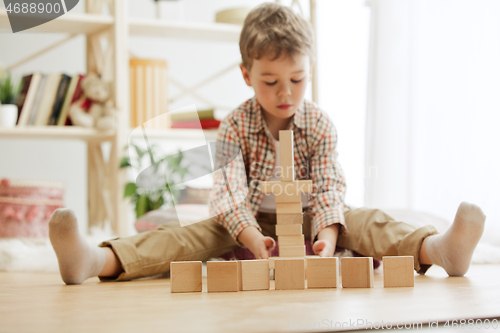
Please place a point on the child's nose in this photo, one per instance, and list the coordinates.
(284, 90)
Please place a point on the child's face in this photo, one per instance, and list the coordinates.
(279, 84)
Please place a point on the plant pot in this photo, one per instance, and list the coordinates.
(8, 115)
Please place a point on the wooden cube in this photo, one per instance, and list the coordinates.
(289, 219)
(286, 156)
(240, 287)
(288, 198)
(222, 276)
(254, 274)
(289, 274)
(322, 272)
(293, 240)
(273, 259)
(398, 271)
(185, 276)
(289, 208)
(278, 187)
(357, 272)
(292, 251)
(288, 230)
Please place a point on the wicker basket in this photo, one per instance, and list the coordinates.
(26, 206)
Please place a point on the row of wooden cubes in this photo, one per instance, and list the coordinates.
(290, 274)
(186, 276)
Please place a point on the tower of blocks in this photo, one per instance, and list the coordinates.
(287, 193)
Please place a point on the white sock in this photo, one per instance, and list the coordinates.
(77, 259)
(453, 250)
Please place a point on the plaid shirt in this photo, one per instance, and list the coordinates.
(315, 158)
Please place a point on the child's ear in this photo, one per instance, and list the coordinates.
(246, 75)
(311, 71)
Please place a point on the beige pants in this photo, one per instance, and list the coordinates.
(370, 232)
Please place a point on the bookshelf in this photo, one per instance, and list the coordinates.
(105, 180)
(219, 32)
(57, 132)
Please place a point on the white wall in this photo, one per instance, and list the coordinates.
(388, 115)
(343, 29)
(434, 107)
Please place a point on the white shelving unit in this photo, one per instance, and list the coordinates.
(70, 23)
(105, 188)
(220, 32)
(57, 132)
(105, 181)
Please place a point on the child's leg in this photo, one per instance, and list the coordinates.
(373, 233)
(145, 254)
(77, 259)
(112, 266)
(150, 253)
(453, 250)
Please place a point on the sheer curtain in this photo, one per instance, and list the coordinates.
(342, 33)
(433, 107)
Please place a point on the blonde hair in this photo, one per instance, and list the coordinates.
(272, 30)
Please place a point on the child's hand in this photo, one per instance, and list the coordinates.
(327, 240)
(256, 242)
(323, 248)
(262, 247)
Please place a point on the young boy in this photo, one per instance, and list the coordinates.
(277, 55)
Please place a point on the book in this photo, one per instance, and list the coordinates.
(190, 116)
(204, 124)
(76, 98)
(38, 99)
(47, 103)
(73, 94)
(26, 81)
(27, 96)
(59, 100)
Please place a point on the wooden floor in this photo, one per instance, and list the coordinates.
(42, 303)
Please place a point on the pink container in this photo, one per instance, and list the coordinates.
(26, 206)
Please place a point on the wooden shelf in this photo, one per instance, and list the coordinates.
(178, 134)
(89, 23)
(222, 32)
(57, 132)
(68, 23)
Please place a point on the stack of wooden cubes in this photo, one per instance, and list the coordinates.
(289, 272)
(287, 193)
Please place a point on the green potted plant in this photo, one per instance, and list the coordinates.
(8, 96)
(145, 199)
